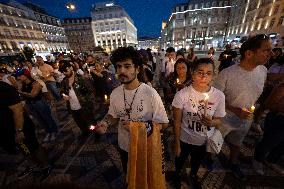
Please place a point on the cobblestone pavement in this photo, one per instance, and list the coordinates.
(95, 163)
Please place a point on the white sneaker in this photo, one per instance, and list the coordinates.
(53, 137)
(258, 167)
(46, 138)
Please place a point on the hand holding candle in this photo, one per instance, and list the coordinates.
(206, 103)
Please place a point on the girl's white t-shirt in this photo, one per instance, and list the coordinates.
(192, 103)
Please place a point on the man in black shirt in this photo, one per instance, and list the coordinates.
(226, 58)
(17, 131)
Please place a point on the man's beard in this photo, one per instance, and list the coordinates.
(127, 82)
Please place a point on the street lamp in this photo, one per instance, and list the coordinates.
(70, 6)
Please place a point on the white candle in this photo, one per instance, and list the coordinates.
(206, 103)
(89, 70)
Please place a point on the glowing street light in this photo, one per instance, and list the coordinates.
(70, 6)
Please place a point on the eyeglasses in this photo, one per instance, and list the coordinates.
(202, 74)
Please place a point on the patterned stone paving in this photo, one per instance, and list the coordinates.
(98, 165)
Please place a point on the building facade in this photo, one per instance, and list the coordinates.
(51, 27)
(148, 42)
(112, 26)
(250, 17)
(19, 28)
(79, 33)
(199, 23)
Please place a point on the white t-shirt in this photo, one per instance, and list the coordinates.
(147, 105)
(73, 100)
(241, 87)
(167, 66)
(191, 102)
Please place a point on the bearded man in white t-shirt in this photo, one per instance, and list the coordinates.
(242, 85)
(131, 101)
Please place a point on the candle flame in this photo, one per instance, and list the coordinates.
(109, 79)
(206, 96)
(252, 108)
(177, 80)
(92, 127)
(105, 97)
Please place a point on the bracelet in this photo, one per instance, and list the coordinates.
(20, 130)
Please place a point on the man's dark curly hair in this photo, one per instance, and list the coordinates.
(124, 53)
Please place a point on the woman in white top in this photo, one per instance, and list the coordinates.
(196, 117)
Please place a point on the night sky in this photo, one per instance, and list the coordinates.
(146, 14)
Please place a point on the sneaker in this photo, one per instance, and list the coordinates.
(195, 182)
(53, 137)
(237, 172)
(258, 167)
(26, 172)
(45, 172)
(275, 167)
(46, 138)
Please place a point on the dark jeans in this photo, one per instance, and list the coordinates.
(52, 87)
(271, 147)
(197, 154)
(81, 121)
(42, 113)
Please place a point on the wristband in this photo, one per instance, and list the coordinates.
(19, 130)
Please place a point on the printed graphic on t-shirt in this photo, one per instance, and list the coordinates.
(193, 118)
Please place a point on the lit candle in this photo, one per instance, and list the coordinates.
(92, 127)
(252, 108)
(177, 81)
(206, 103)
(105, 98)
(65, 95)
(89, 70)
(109, 78)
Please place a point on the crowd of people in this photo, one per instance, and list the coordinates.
(201, 95)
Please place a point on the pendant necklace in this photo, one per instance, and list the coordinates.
(128, 110)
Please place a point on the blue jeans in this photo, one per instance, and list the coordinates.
(51, 85)
(42, 113)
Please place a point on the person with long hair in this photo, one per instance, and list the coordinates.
(180, 78)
